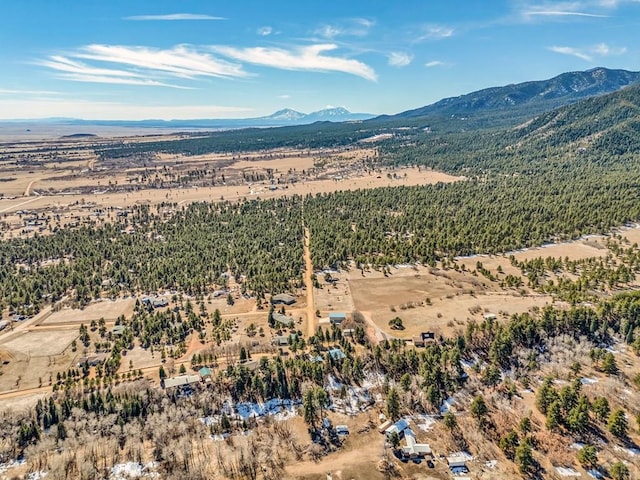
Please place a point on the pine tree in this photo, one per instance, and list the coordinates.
(393, 404)
(617, 423)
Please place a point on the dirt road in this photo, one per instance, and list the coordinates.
(312, 321)
(27, 191)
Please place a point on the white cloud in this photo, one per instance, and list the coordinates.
(564, 10)
(265, 31)
(174, 16)
(561, 13)
(399, 59)
(135, 65)
(180, 61)
(10, 91)
(434, 63)
(284, 97)
(573, 52)
(435, 32)
(605, 50)
(356, 27)
(329, 31)
(588, 54)
(43, 108)
(309, 58)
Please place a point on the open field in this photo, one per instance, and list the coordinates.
(40, 344)
(107, 309)
(434, 300)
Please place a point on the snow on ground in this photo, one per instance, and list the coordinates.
(576, 446)
(278, 408)
(491, 464)
(356, 400)
(588, 381)
(466, 455)
(125, 471)
(372, 380)
(633, 452)
(423, 422)
(595, 474)
(447, 404)
(37, 475)
(4, 467)
(568, 472)
(281, 409)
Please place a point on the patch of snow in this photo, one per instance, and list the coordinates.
(124, 471)
(576, 446)
(595, 474)
(333, 383)
(467, 364)
(372, 380)
(279, 408)
(588, 381)
(424, 422)
(4, 467)
(37, 475)
(633, 452)
(568, 472)
(466, 455)
(491, 464)
(611, 350)
(447, 404)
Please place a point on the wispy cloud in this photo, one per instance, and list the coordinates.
(355, 27)
(284, 97)
(605, 50)
(434, 63)
(10, 91)
(265, 31)
(399, 59)
(174, 16)
(309, 58)
(180, 61)
(434, 32)
(533, 11)
(575, 52)
(561, 13)
(134, 65)
(590, 53)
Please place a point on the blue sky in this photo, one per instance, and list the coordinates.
(137, 59)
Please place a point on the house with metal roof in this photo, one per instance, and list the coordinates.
(283, 320)
(399, 427)
(283, 299)
(337, 354)
(413, 449)
(180, 381)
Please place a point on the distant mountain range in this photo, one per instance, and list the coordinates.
(491, 107)
(529, 98)
(281, 118)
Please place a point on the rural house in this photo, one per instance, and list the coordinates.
(180, 381)
(413, 449)
(283, 299)
(283, 320)
(336, 318)
(399, 427)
